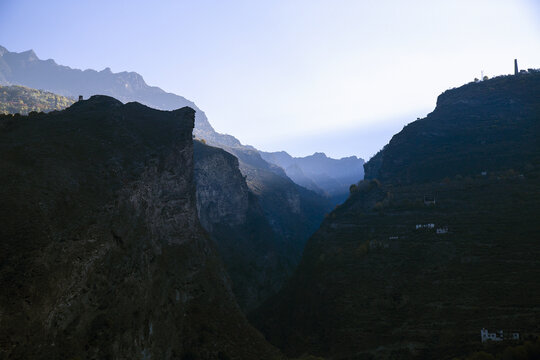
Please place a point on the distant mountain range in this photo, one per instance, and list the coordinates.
(27, 69)
(317, 172)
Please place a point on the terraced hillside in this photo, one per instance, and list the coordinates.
(414, 266)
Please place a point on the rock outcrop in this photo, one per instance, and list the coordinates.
(101, 252)
(293, 212)
(27, 69)
(256, 258)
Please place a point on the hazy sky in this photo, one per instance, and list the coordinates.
(309, 75)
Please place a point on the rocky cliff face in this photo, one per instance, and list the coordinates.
(415, 266)
(292, 212)
(256, 258)
(102, 254)
(222, 193)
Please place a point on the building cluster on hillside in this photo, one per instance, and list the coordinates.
(439, 230)
(443, 230)
(500, 335)
(425, 226)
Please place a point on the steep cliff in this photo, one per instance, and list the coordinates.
(256, 258)
(293, 211)
(283, 201)
(102, 254)
(416, 265)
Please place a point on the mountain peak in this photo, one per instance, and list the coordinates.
(3, 50)
(319, 155)
(30, 55)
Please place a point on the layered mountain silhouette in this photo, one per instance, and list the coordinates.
(441, 242)
(292, 212)
(317, 172)
(257, 258)
(102, 253)
(27, 69)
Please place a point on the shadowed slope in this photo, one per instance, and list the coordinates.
(389, 276)
(102, 254)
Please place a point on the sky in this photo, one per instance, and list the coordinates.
(333, 76)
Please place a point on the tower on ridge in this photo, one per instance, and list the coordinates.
(516, 71)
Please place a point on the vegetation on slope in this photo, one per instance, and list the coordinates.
(391, 275)
(488, 126)
(20, 99)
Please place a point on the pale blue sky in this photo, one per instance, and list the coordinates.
(297, 75)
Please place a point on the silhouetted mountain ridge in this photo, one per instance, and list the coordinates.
(486, 126)
(102, 253)
(27, 69)
(414, 264)
(280, 217)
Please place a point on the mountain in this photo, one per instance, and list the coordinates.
(292, 212)
(485, 126)
(261, 237)
(20, 99)
(442, 244)
(102, 254)
(27, 69)
(257, 259)
(317, 172)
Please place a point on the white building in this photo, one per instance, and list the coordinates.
(442, 230)
(485, 335)
(494, 336)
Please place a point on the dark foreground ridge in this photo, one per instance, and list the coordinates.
(101, 253)
(416, 265)
(293, 212)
